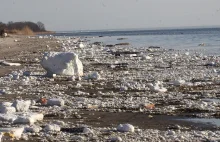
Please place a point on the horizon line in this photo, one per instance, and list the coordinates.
(140, 29)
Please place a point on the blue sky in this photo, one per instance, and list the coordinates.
(63, 15)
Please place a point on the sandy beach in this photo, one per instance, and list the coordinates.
(154, 90)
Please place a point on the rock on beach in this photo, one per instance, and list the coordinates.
(125, 128)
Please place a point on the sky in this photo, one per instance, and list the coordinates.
(69, 15)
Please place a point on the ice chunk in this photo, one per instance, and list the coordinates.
(94, 75)
(16, 132)
(29, 118)
(33, 129)
(8, 117)
(7, 109)
(87, 131)
(21, 105)
(52, 127)
(55, 102)
(125, 128)
(62, 63)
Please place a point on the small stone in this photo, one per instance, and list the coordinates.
(87, 131)
(170, 132)
(52, 127)
(58, 122)
(27, 73)
(125, 128)
(71, 78)
(116, 139)
(33, 129)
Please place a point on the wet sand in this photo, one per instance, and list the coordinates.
(23, 47)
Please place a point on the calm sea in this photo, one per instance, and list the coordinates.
(170, 39)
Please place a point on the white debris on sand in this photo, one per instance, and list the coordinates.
(87, 131)
(7, 109)
(178, 82)
(5, 63)
(55, 102)
(93, 76)
(21, 105)
(81, 45)
(62, 63)
(33, 129)
(52, 127)
(125, 128)
(157, 87)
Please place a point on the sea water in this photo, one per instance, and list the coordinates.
(180, 39)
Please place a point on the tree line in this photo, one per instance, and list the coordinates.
(35, 27)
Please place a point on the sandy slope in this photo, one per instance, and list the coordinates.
(12, 50)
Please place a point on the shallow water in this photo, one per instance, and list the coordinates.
(212, 121)
(169, 39)
(188, 42)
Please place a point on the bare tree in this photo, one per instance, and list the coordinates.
(35, 27)
(41, 26)
(2, 25)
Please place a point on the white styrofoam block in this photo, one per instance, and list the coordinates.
(62, 63)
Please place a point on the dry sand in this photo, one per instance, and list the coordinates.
(15, 46)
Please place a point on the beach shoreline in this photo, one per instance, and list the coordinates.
(88, 102)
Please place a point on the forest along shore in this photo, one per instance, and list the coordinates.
(125, 93)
